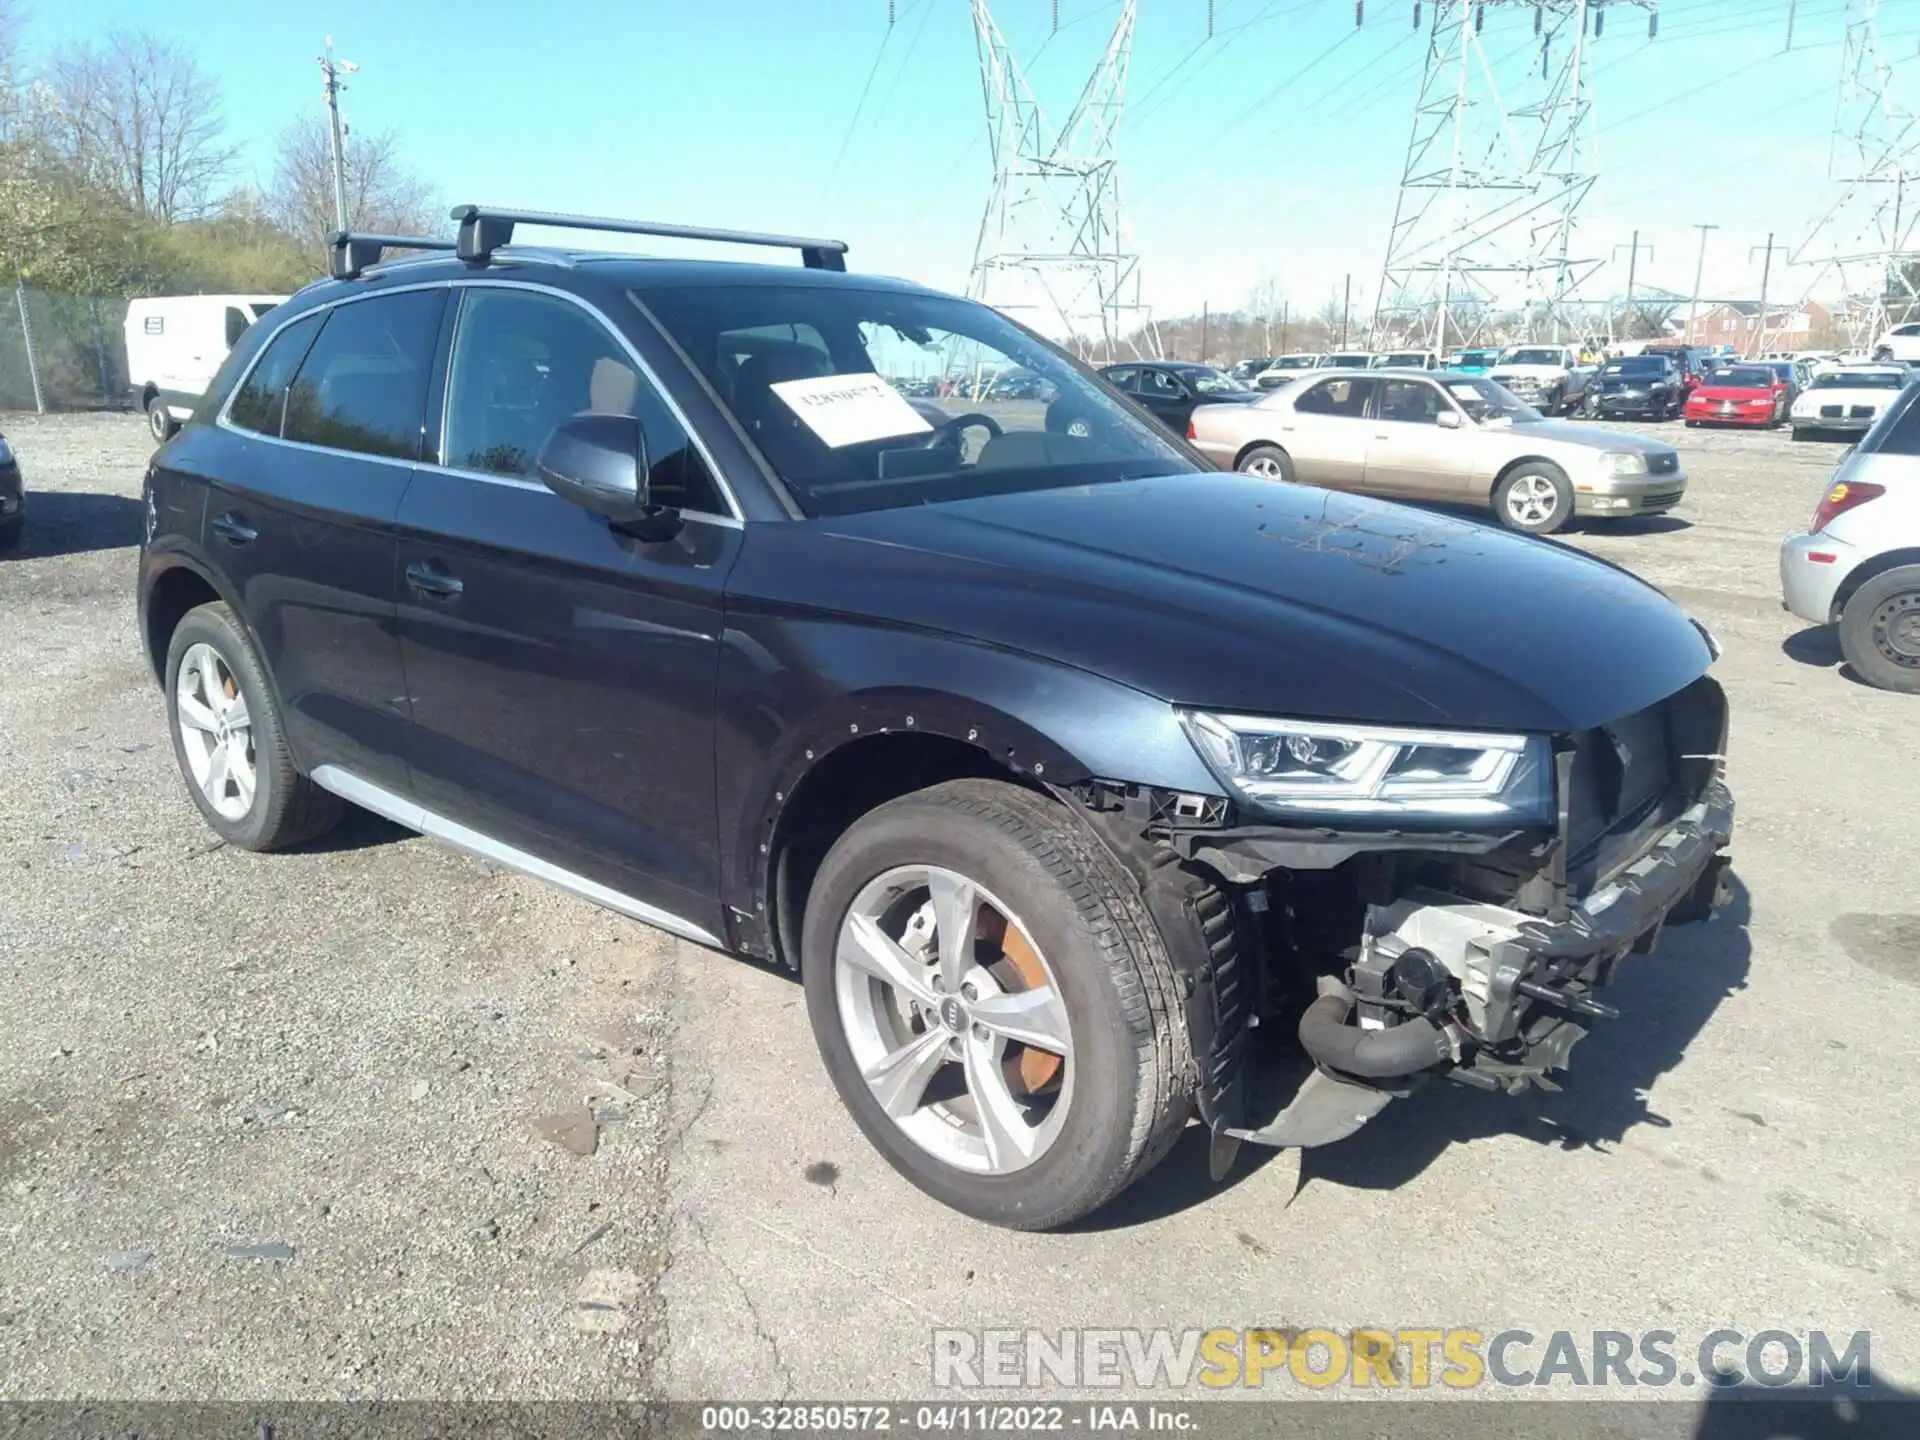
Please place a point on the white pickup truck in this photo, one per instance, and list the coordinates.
(1548, 377)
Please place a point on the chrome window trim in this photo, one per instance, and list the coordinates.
(414, 816)
(223, 420)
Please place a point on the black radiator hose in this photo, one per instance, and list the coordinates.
(1404, 1049)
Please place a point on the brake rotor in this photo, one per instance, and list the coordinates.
(1020, 962)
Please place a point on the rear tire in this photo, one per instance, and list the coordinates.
(282, 807)
(160, 424)
(1880, 630)
(1269, 462)
(1127, 1076)
(1535, 499)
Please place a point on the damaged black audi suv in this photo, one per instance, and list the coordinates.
(743, 600)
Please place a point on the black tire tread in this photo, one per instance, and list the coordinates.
(1128, 943)
(1857, 645)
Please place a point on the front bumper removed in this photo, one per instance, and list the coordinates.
(1507, 994)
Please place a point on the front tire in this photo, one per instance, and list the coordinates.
(1880, 630)
(229, 741)
(1030, 1062)
(1535, 499)
(160, 424)
(1269, 462)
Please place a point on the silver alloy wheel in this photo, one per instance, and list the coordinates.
(1266, 467)
(947, 1043)
(1531, 499)
(159, 422)
(216, 732)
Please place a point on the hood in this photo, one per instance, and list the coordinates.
(1588, 438)
(1239, 594)
(1635, 382)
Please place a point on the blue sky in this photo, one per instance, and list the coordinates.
(1272, 151)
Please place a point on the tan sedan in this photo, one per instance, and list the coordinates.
(1441, 435)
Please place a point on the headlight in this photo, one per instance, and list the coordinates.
(1623, 462)
(1314, 767)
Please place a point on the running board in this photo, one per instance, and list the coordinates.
(415, 816)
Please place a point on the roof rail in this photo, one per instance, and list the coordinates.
(349, 254)
(484, 229)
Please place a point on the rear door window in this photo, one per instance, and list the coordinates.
(260, 401)
(363, 385)
(1346, 397)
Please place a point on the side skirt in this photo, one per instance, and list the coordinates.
(414, 816)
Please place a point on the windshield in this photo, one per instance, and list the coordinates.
(1642, 367)
(1475, 357)
(1742, 377)
(1414, 359)
(1295, 362)
(1351, 361)
(1485, 401)
(1535, 357)
(1858, 380)
(800, 367)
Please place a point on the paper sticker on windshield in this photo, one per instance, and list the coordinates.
(1465, 392)
(848, 409)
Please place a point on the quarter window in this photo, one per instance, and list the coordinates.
(523, 362)
(258, 404)
(363, 385)
(1898, 432)
(1346, 397)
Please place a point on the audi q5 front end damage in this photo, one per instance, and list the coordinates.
(1412, 904)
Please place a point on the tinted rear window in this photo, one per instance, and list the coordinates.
(258, 404)
(1897, 432)
(363, 385)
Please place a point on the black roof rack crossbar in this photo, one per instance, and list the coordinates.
(349, 254)
(484, 229)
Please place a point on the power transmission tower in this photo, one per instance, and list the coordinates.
(337, 132)
(1052, 249)
(1866, 243)
(1495, 174)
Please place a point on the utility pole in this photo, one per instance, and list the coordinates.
(1699, 269)
(1346, 311)
(26, 336)
(1766, 274)
(332, 69)
(1633, 269)
(1283, 327)
(1206, 321)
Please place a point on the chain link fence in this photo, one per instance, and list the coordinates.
(60, 351)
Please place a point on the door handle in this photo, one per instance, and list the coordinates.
(235, 531)
(432, 579)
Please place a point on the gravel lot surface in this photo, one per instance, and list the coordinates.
(304, 1126)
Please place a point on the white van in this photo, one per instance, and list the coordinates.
(175, 343)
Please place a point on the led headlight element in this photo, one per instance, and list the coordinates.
(1318, 767)
(1623, 462)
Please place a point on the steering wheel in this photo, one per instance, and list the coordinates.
(951, 431)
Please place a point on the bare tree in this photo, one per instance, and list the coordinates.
(382, 194)
(135, 115)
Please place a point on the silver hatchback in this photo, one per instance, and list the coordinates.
(1441, 435)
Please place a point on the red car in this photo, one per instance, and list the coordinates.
(1742, 395)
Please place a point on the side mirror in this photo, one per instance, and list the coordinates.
(599, 462)
(1449, 419)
